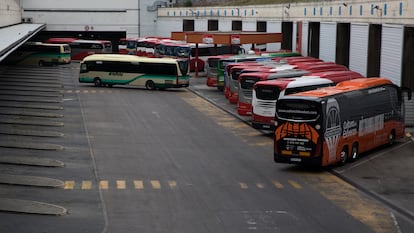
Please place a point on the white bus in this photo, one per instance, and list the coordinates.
(119, 69)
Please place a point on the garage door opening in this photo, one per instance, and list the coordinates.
(314, 36)
(374, 50)
(343, 32)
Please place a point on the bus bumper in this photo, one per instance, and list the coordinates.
(244, 109)
(314, 161)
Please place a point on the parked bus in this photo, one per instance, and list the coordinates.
(82, 48)
(335, 124)
(212, 63)
(38, 53)
(151, 73)
(263, 67)
(247, 81)
(122, 46)
(266, 93)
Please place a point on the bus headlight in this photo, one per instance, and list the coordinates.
(275, 123)
(318, 127)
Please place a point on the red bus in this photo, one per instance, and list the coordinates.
(325, 127)
(82, 48)
(250, 67)
(122, 46)
(266, 93)
(247, 81)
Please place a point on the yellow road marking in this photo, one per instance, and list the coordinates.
(86, 184)
(69, 91)
(120, 184)
(260, 185)
(103, 184)
(85, 91)
(70, 184)
(243, 186)
(155, 184)
(172, 184)
(93, 91)
(277, 184)
(78, 91)
(138, 184)
(101, 91)
(295, 184)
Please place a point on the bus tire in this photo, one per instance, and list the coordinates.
(391, 138)
(41, 63)
(354, 152)
(97, 82)
(344, 156)
(150, 85)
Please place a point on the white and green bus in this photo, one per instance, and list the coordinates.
(38, 53)
(121, 69)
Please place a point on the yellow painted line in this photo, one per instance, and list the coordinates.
(261, 143)
(85, 91)
(101, 91)
(355, 203)
(155, 184)
(110, 92)
(78, 91)
(295, 184)
(70, 184)
(103, 184)
(172, 184)
(69, 91)
(120, 184)
(260, 185)
(93, 91)
(277, 184)
(138, 184)
(243, 185)
(86, 184)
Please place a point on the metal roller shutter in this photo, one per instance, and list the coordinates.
(358, 52)
(391, 52)
(305, 35)
(327, 42)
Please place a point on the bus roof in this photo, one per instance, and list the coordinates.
(294, 82)
(277, 74)
(346, 86)
(127, 58)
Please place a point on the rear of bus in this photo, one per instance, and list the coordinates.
(247, 81)
(266, 94)
(299, 130)
(122, 46)
(212, 69)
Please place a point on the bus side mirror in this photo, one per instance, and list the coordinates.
(408, 91)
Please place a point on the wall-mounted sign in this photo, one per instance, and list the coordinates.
(235, 39)
(208, 39)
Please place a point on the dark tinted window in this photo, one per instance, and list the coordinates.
(297, 109)
(248, 82)
(294, 90)
(267, 92)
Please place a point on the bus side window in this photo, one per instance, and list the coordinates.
(84, 68)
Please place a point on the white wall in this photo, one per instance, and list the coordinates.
(131, 16)
(10, 13)
(274, 26)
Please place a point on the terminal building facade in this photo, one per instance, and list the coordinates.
(374, 38)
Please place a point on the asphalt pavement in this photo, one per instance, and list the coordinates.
(386, 173)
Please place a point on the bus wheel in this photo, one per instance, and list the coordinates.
(97, 82)
(344, 156)
(150, 85)
(41, 63)
(354, 152)
(391, 138)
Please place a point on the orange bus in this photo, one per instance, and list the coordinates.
(334, 125)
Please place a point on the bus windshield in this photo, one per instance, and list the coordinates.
(267, 92)
(183, 64)
(299, 110)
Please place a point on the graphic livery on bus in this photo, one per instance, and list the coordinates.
(151, 73)
(38, 53)
(335, 124)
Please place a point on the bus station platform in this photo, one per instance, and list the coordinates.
(386, 173)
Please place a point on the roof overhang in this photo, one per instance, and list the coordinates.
(14, 36)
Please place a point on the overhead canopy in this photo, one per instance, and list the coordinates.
(14, 36)
(227, 37)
